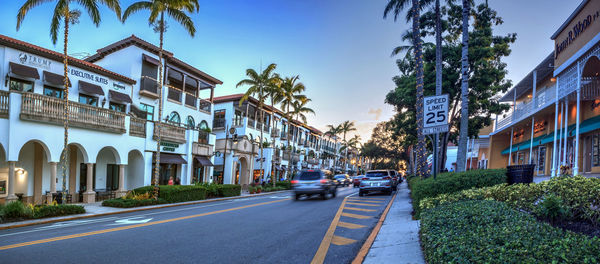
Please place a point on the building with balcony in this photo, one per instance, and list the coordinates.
(112, 121)
(554, 118)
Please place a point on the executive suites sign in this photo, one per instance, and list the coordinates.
(89, 76)
(582, 28)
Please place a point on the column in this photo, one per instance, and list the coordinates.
(565, 129)
(53, 166)
(531, 140)
(576, 160)
(11, 182)
(121, 191)
(510, 148)
(89, 196)
(554, 146)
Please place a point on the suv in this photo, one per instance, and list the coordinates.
(376, 180)
(342, 179)
(309, 182)
(396, 178)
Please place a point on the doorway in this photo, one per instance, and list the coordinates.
(587, 154)
(541, 160)
(83, 177)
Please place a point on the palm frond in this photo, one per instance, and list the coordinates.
(135, 7)
(28, 5)
(91, 7)
(183, 19)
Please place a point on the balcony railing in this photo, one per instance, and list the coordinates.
(543, 98)
(148, 87)
(37, 107)
(170, 133)
(137, 127)
(251, 122)
(4, 104)
(266, 128)
(203, 137)
(218, 123)
(283, 135)
(205, 106)
(259, 125)
(174, 94)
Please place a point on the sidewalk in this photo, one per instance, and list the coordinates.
(398, 239)
(96, 209)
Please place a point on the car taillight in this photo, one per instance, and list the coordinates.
(323, 181)
(387, 178)
(365, 179)
(294, 182)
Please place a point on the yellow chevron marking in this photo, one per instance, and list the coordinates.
(341, 241)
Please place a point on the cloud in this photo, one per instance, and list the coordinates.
(376, 112)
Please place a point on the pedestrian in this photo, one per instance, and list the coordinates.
(170, 181)
(177, 181)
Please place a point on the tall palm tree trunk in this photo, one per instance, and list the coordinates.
(421, 166)
(66, 104)
(464, 111)
(262, 139)
(271, 123)
(438, 74)
(160, 106)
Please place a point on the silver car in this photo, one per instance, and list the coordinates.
(376, 181)
(309, 182)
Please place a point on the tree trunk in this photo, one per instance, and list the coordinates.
(65, 152)
(464, 111)
(160, 106)
(271, 122)
(421, 159)
(438, 75)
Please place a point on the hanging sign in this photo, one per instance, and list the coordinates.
(435, 114)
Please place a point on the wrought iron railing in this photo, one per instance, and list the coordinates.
(205, 106)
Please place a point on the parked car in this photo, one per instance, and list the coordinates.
(310, 182)
(376, 180)
(342, 179)
(397, 179)
(356, 180)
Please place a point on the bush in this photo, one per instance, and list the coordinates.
(580, 197)
(552, 208)
(57, 210)
(453, 182)
(182, 193)
(128, 203)
(18, 210)
(229, 190)
(286, 185)
(212, 189)
(492, 232)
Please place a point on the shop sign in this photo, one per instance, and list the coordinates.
(519, 134)
(89, 76)
(595, 104)
(577, 30)
(539, 126)
(168, 146)
(36, 61)
(118, 86)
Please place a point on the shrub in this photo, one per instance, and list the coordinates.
(17, 209)
(128, 203)
(452, 182)
(181, 193)
(492, 232)
(286, 185)
(229, 190)
(57, 210)
(212, 189)
(552, 208)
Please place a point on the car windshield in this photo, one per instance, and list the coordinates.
(377, 174)
(309, 175)
(340, 176)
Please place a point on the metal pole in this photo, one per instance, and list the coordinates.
(555, 130)
(566, 129)
(510, 148)
(576, 154)
(531, 140)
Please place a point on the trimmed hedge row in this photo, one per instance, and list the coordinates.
(229, 190)
(17, 210)
(452, 182)
(578, 197)
(492, 232)
(128, 203)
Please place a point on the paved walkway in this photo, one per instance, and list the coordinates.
(398, 239)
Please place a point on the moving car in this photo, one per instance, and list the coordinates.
(356, 180)
(309, 182)
(342, 179)
(376, 181)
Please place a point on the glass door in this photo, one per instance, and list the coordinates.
(541, 160)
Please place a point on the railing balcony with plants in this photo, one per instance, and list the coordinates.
(543, 98)
(203, 146)
(37, 107)
(4, 104)
(137, 127)
(148, 87)
(170, 133)
(205, 106)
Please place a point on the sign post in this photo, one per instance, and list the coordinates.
(435, 121)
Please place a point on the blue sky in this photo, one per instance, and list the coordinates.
(340, 48)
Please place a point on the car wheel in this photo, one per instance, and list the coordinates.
(297, 197)
(334, 193)
(360, 193)
(389, 192)
(324, 196)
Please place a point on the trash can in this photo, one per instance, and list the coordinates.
(520, 173)
(57, 197)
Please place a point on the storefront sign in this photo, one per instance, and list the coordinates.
(168, 146)
(35, 61)
(539, 126)
(519, 134)
(595, 104)
(118, 86)
(89, 76)
(577, 30)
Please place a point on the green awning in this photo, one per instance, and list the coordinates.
(587, 125)
(525, 144)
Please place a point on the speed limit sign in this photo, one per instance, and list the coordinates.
(435, 114)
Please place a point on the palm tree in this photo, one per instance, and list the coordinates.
(291, 91)
(300, 109)
(176, 10)
(260, 87)
(63, 12)
(464, 90)
(274, 93)
(333, 131)
(346, 127)
(396, 6)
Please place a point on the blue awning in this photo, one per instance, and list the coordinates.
(587, 125)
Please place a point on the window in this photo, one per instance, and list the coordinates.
(219, 114)
(203, 125)
(21, 85)
(238, 117)
(117, 107)
(149, 111)
(190, 122)
(54, 92)
(174, 118)
(175, 79)
(149, 70)
(89, 100)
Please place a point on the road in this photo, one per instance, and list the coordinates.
(267, 229)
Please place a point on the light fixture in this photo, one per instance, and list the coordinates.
(553, 79)
(103, 101)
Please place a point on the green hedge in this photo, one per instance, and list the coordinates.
(578, 195)
(453, 182)
(181, 193)
(286, 185)
(492, 232)
(229, 190)
(17, 210)
(128, 203)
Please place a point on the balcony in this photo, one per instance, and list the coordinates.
(275, 133)
(41, 108)
(190, 100)
(266, 128)
(137, 127)
(295, 157)
(543, 99)
(205, 106)
(259, 126)
(170, 133)
(251, 122)
(313, 161)
(148, 87)
(283, 135)
(4, 104)
(174, 94)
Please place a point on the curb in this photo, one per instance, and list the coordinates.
(366, 247)
(137, 210)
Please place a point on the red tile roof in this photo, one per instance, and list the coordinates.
(37, 50)
(133, 40)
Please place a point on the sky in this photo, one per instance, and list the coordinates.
(339, 48)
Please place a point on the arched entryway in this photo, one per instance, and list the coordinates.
(134, 171)
(32, 172)
(243, 172)
(105, 177)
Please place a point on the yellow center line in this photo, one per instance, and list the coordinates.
(41, 241)
(324, 247)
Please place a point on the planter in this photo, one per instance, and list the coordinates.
(520, 173)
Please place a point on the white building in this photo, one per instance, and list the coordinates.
(113, 109)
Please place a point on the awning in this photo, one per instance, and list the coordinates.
(587, 125)
(150, 60)
(204, 161)
(55, 79)
(170, 158)
(541, 140)
(89, 88)
(22, 70)
(119, 97)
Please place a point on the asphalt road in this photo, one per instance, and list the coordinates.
(267, 229)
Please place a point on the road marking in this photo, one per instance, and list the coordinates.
(373, 198)
(364, 204)
(341, 241)
(357, 216)
(360, 257)
(132, 221)
(359, 209)
(324, 247)
(41, 241)
(365, 201)
(350, 225)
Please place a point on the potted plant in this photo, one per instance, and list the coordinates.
(258, 189)
(251, 190)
